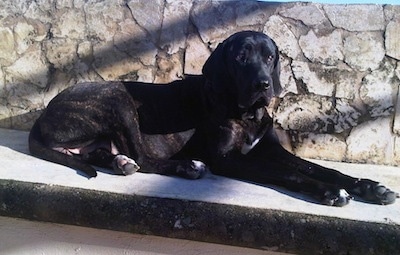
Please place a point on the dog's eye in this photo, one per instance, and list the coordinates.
(248, 47)
(242, 57)
(269, 58)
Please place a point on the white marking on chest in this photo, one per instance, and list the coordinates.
(248, 147)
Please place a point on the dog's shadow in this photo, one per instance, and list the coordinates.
(294, 194)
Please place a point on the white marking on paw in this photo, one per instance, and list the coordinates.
(198, 164)
(343, 193)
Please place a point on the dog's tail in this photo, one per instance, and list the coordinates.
(40, 150)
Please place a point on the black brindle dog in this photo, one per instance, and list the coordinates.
(113, 124)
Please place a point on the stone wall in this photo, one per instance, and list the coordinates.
(340, 63)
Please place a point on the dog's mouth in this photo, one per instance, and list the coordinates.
(254, 112)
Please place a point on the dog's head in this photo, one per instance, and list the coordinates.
(245, 67)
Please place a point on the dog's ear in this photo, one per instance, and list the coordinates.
(276, 73)
(215, 69)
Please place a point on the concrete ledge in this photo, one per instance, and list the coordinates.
(19, 237)
(213, 209)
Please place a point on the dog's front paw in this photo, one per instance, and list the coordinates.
(336, 198)
(124, 165)
(192, 169)
(375, 192)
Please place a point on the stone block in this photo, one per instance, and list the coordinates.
(213, 20)
(196, 55)
(7, 46)
(323, 49)
(396, 122)
(305, 113)
(392, 12)
(364, 51)
(287, 79)
(392, 39)
(148, 15)
(11, 8)
(111, 63)
(135, 42)
(250, 13)
(25, 35)
(321, 146)
(5, 120)
(378, 91)
(312, 113)
(312, 79)
(283, 36)
(65, 4)
(103, 18)
(310, 15)
(30, 68)
(169, 68)
(347, 82)
(61, 53)
(371, 142)
(396, 157)
(173, 33)
(347, 115)
(70, 23)
(40, 11)
(356, 17)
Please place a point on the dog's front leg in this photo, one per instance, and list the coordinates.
(366, 189)
(262, 171)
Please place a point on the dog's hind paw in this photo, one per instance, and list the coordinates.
(124, 165)
(338, 198)
(192, 169)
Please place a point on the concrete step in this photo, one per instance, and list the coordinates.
(214, 209)
(20, 237)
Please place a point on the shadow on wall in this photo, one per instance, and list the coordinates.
(129, 41)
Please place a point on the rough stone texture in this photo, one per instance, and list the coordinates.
(312, 113)
(364, 51)
(173, 35)
(372, 141)
(356, 17)
(148, 14)
(196, 55)
(322, 146)
(287, 79)
(313, 82)
(220, 19)
(310, 15)
(29, 68)
(339, 63)
(392, 39)
(325, 49)
(280, 31)
(396, 123)
(378, 89)
(7, 47)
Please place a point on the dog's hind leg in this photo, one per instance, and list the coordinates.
(102, 157)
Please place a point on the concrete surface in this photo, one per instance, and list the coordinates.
(27, 183)
(20, 237)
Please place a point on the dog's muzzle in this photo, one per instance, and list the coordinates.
(255, 112)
